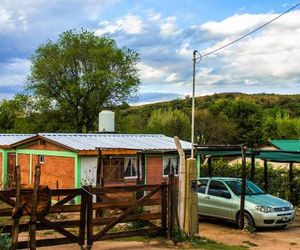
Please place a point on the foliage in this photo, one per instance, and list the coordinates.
(214, 129)
(5, 242)
(178, 235)
(169, 122)
(228, 118)
(81, 74)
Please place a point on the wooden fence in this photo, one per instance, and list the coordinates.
(119, 212)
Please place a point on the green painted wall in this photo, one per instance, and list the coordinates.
(4, 166)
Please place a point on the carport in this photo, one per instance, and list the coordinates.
(208, 153)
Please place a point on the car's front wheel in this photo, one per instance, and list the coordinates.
(248, 221)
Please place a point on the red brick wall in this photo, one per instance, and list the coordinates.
(59, 169)
(154, 169)
(24, 163)
(54, 169)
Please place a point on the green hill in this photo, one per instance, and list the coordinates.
(220, 118)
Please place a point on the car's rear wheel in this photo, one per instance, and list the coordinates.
(248, 221)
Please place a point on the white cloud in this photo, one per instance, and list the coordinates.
(130, 24)
(267, 59)
(168, 27)
(6, 21)
(149, 73)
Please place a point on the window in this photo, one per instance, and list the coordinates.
(217, 188)
(113, 169)
(202, 186)
(41, 159)
(130, 167)
(170, 165)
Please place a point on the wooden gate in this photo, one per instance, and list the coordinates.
(125, 211)
(119, 206)
(49, 222)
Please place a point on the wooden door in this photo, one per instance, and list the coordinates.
(11, 164)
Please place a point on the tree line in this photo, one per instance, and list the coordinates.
(228, 118)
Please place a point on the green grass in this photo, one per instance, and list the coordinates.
(203, 243)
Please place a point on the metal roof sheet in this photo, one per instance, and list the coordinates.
(288, 145)
(115, 141)
(7, 139)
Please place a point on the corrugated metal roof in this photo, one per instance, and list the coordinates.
(115, 141)
(287, 145)
(7, 139)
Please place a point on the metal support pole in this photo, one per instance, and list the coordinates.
(291, 184)
(266, 176)
(242, 202)
(193, 104)
(209, 166)
(252, 166)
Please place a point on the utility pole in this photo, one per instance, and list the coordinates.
(193, 104)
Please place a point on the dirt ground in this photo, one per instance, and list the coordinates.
(277, 239)
(220, 231)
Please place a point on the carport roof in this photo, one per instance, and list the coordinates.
(269, 155)
(288, 145)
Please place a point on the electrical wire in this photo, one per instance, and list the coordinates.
(249, 33)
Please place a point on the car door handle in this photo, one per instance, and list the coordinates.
(207, 197)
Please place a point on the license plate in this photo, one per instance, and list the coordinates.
(284, 218)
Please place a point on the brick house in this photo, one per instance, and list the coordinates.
(70, 160)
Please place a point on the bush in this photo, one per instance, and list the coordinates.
(5, 242)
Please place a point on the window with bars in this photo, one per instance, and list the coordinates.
(130, 167)
(170, 165)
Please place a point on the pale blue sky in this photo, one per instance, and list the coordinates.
(165, 33)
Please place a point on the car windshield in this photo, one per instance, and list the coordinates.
(251, 188)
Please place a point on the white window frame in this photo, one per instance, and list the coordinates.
(41, 157)
(136, 167)
(167, 158)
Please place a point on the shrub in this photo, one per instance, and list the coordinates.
(5, 242)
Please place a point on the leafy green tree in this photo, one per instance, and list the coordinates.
(79, 75)
(170, 123)
(246, 114)
(214, 129)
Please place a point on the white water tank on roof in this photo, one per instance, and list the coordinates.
(107, 121)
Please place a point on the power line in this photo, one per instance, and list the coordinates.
(249, 33)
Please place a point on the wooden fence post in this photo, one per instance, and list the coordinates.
(16, 220)
(83, 210)
(171, 205)
(89, 219)
(164, 206)
(34, 204)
